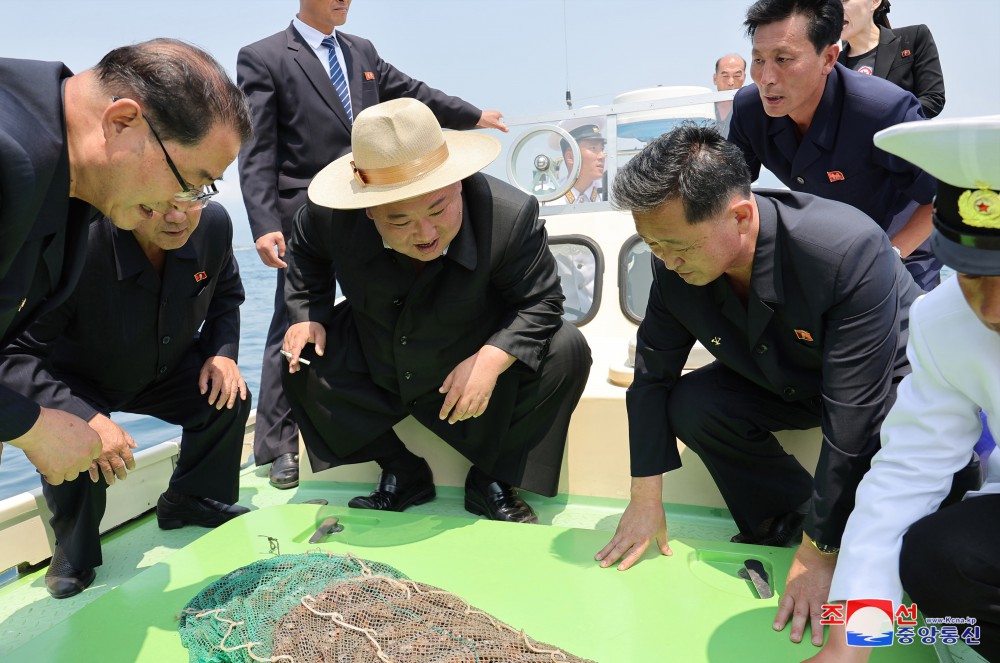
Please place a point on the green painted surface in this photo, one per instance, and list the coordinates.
(690, 607)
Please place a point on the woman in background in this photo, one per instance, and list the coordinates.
(906, 56)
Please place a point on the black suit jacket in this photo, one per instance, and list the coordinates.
(908, 57)
(837, 158)
(821, 268)
(124, 328)
(498, 285)
(300, 124)
(43, 232)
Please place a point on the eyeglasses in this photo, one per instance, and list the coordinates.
(197, 198)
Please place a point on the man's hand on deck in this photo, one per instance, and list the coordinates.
(222, 374)
(271, 249)
(642, 521)
(60, 445)
(116, 460)
(806, 590)
(836, 650)
(296, 338)
(469, 386)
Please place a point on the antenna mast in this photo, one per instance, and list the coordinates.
(569, 96)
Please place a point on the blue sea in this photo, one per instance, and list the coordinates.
(18, 475)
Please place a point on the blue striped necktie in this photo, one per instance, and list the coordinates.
(337, 78)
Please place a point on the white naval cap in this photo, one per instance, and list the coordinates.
(964, 155)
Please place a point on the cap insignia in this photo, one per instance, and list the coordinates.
(980, 208)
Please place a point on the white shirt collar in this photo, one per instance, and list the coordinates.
(312, 36)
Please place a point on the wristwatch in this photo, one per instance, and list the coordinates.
(823, 548)
(898, 252)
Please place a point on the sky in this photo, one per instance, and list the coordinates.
(515, 56)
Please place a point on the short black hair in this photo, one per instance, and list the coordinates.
(826, 18)
(693, 163)
(182, 88)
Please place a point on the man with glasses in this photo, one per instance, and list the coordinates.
(73, 143)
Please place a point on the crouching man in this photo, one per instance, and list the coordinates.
(452, 314)
(804, 305)
(128, 340)
(902, 534)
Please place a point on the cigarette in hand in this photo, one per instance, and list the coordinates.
(288, 355)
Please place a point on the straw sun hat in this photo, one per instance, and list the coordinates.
(399, 152)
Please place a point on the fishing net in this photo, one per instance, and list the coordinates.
(323, 608)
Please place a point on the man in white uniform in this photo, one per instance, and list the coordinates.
(897, 539)
(589, 184)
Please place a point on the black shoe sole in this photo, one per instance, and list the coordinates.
(423, 497)
(169, 523)
(284, 485)
(475, 508)
(478, 509)
(177, 523)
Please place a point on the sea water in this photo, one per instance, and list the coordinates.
(18, 475)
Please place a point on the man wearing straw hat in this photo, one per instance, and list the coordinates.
(452, 314)
(897, 538)
(305, 84)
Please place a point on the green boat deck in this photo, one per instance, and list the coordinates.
(690, 607)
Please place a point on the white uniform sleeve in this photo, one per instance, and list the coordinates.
(927, 437)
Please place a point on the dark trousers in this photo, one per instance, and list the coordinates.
(520, 442)
(275, 432)
(950, 566)
(728, 421)
(208, 465)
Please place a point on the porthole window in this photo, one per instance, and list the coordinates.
(581, 272)
(635, 276)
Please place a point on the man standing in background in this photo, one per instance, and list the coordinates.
(305, 85)
(730, 72)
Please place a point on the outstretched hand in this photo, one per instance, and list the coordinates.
(836, 649)
(806, 590)
(492, 119)
(642, 522)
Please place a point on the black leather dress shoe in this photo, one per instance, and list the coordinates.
(397, 491)
(284, 473)
(781, 531)
(174, 511)
(496, 500)
(64, 581)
